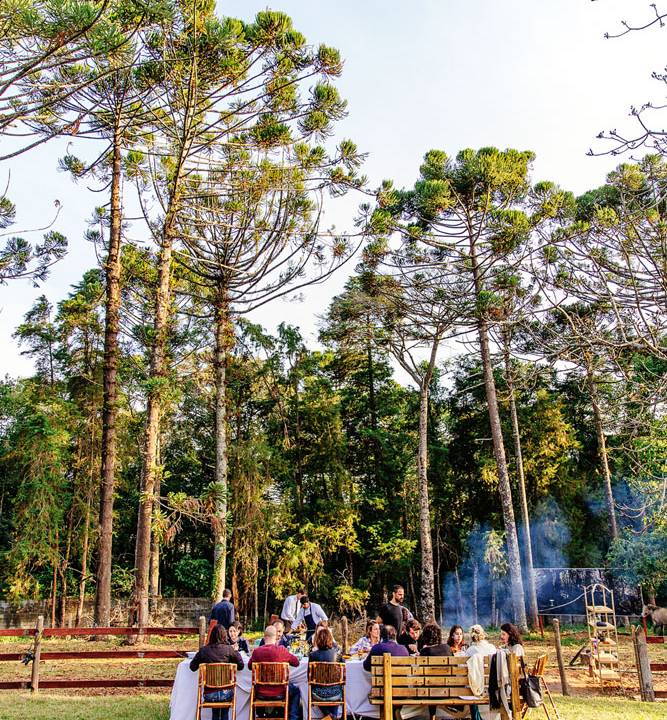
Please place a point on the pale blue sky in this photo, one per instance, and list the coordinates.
(530, 74)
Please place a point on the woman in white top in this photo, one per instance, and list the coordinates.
(365, 643)
(479, 644)
(511, 640)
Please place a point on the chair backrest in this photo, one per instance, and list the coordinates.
(217, 675)
(326, 673)
(270, 673)
(540, 664)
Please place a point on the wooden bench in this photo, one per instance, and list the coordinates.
(432, 681)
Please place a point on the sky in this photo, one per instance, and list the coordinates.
(450, 74)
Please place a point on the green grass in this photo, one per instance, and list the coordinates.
(19, 706)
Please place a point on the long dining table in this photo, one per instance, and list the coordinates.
(183, 703)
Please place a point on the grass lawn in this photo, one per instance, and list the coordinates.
(19, 706)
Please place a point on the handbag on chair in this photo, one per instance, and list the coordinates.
(530, 689)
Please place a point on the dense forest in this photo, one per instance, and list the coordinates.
(488, 392)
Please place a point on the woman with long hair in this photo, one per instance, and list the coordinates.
(456, 640)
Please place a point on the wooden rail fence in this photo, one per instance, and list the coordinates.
(646, 668)
(36, 656)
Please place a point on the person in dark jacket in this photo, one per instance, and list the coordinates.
(432, 645)
(388, 644)
(223, 612)
(411, 635)
(218, 650)
(326, 650)
(234, 633)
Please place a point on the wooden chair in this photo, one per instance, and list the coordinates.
(216, 676)
(326, 674)
(538, 671)
(269, 674)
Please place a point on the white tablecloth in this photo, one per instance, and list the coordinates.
(183, 703)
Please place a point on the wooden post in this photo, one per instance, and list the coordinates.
(515, 700)
(559, 657)
(344, 632)
(388, 706)
(541, 623)
(202, 630)
(644, 668)
(34, 678)
(633, 633)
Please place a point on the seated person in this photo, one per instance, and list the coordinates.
(387, 644)
(432, 645)
(270, 651)
(218, 650)
(511, 639)
(409, 638)
(281, 638)
(234, 632)
(365, 643)
(324, 650)
(456, 640)
(479, 644)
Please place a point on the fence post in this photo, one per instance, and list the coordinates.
(344, 633)
(387, 707)
(515, 700)
(559, 657)
(34, 677)
(202, 630)
(644, 668)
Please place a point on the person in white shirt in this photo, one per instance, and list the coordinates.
(479, 644)
(290, 608)
(309, 614)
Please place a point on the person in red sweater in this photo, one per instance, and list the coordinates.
(271, 652)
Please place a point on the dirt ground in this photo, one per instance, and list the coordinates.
(581, 684)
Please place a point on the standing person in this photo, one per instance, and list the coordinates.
(217, 650)
(291, 608)
(223, 612)
(387, 644)
(310, 614)
(393, 613)
(270, 652)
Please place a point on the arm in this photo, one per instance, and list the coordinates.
(367, 661)
(196, 661)
(238, 660)
(299, 617)
(322, 615)
(286, 612)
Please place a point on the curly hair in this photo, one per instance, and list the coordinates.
(432, 634)
(477, 633)
(513, 632)
(452, 630)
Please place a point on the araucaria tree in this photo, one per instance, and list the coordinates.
(474, 211)
(238, 170)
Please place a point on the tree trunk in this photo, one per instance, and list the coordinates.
(427, 579)
(224, 341)
(475, 583)
(84, 565)
(110, 393)
(154, 577)
(602, 450)
(513, 556)
(528, 549)
(54, 594)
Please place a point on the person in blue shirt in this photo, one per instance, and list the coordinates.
(223, 612)
(387, 644)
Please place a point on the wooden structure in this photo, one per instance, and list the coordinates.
(216, 676)
(432, 681)
(269, 674)
(326, 674)
(646, 668)
(36, 655)
(538, 672)
(602, 634)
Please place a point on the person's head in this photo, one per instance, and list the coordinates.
(300, 592)
(398, 593)
(305, 602)
(233, 633)
(323, 639)
(270, 635)
(477, 633)
(509, 634)
(279, 625)
(218, 635)
(226, 594)
(373, 631)
(413, 628)
(455, 638)
(388, 632)
(432, 634)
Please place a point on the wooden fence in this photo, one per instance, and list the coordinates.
(646, 668)
(36, 656)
